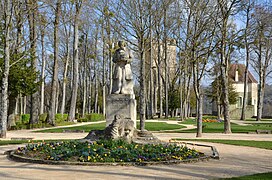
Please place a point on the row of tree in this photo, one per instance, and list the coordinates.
(56, 56)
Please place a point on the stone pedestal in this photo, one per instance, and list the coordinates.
(122, 104)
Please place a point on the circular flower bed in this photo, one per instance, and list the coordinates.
(107, 151)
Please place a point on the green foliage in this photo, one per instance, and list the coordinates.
(22, 77)
(25, 118)
(82, 120)
(42, 117)
(93, 117)
(23, 123)
(260, 176)
(85, 128)
(61, 118)
(174, 100)
(216, 90)
(107, 151)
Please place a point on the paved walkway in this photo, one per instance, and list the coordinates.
(235, 161)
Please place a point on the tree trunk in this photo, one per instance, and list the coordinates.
(142, 85)
(75, 64)
(159, 78)
(85, 76)
(64, 82)
(32, 14)
(4, 93)
(52, 107)
(260, 95)
(199, 115)
(245, 95)
(96, 75)
(43, 72)
(151, 81)
(166, 68)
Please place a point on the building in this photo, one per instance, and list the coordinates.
(236, 76)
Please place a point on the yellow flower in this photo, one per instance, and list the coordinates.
(89, 158)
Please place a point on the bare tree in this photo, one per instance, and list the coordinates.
(262, 46)
(226, 9)
(52, 109)
(78, 4)
(5, 71)
(32, 12)
(248, 5)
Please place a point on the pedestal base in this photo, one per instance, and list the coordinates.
(122, 104)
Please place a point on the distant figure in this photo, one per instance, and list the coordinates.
(122, 77)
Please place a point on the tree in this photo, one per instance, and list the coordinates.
(52, 109)
(248, 6)
(262, 46)
(78, 4)
(135, 25)
(226, 9)
(5, 70)
(203, 24)
(32, 12)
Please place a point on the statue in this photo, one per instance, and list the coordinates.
(120, 128)
(122, 76)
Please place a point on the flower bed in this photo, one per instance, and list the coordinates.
(107, 151)
(212, 120)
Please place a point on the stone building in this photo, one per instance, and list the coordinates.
(236, 75)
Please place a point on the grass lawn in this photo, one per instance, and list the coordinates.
(86, 128)
(151, 126)
(218, 127)
(9, 142)
(160, 126)
(260, 176)
(254, 119)
(258, 144)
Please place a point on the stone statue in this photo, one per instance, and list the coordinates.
(120, 128)
(122, 76)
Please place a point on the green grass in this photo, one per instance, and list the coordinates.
(259, 176)
(10, 142)
(214, 127)
(160, 126)
(86, 128)
(189, 121)
(254, 119)
(169, 119)
(258, 144)
(151, 126)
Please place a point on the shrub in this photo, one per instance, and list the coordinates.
(95, 117)
(25, 118)
(82, 120)
(77, 115)
(42, 117)
(60, 118)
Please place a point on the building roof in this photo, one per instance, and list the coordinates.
(241, 73)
